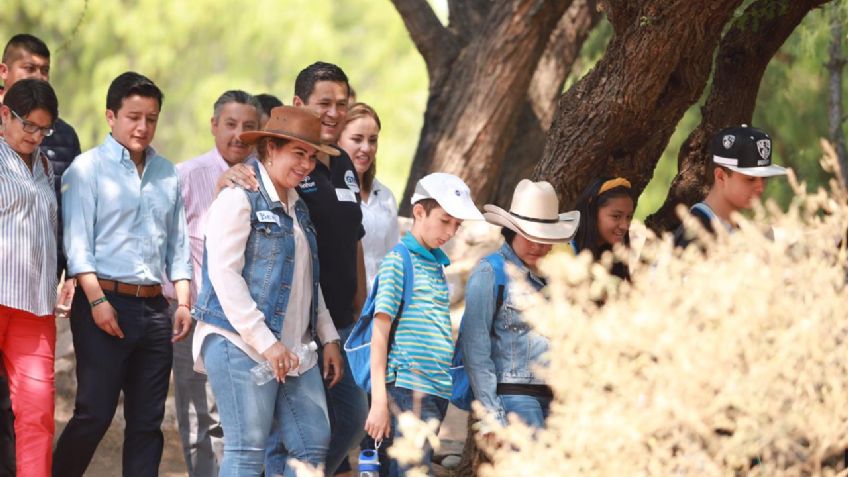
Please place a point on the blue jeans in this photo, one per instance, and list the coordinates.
(531, 409)
(348, 407)
(426, 407)
(267, 424)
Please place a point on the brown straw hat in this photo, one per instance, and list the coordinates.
(297, 124)
(534, 213)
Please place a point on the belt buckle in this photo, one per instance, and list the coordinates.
(137, 291)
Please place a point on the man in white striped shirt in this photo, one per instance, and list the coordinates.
(200, 429)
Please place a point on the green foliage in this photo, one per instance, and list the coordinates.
(195, 50)
(791, 106)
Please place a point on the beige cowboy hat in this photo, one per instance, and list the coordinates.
(289, 122)
(534, 213)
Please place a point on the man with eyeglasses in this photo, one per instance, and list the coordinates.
(26, 56)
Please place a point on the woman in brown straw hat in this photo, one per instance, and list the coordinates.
(501, 353)
(260, 308)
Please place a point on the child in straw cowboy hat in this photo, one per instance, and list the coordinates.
(501, 352)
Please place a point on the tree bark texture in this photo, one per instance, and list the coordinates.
(618, 119)
(476, 88)
(538, 110)
(836, 116)
(743, 55)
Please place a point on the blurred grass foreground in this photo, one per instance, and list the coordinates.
(724, 363)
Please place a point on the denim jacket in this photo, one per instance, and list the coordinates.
(268, 264)
(499, 347)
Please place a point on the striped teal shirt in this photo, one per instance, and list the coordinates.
(421, 354)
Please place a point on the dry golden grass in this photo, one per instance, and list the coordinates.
(732, 362)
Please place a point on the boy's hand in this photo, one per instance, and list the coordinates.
(333, 363)
(379, 424)
(182, 324)
(64, 299)
(106, 318)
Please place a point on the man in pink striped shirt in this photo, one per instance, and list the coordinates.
(200, 430)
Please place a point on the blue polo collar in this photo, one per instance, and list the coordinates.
(435, 255)
(119, 153)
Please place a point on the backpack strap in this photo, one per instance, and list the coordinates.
(408, 285)
(496, 260)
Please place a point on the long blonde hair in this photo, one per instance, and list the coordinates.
(358, 111)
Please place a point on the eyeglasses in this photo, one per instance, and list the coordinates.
(31, 127)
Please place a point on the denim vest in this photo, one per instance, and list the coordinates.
(509, 342)
(268, 264)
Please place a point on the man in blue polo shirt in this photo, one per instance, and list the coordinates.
(125, 228)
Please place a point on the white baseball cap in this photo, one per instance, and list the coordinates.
(450, 192)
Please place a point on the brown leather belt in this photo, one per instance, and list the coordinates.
(141, 291)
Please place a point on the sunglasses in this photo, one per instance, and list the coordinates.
(30, 127)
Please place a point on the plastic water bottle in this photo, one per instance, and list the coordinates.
(263, 373)
(369, 463)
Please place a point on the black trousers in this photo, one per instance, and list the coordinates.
(139, 365)
(7, 429)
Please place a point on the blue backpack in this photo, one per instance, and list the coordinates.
(461, 393)
(358, 344)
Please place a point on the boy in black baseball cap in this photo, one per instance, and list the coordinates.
(741, 163)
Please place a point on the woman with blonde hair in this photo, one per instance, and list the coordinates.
(379, 208)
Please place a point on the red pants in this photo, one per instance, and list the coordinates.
(28, 344)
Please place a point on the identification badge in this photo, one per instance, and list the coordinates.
(345, 195)
(267, 217)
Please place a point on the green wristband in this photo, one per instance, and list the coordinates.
(98, 301)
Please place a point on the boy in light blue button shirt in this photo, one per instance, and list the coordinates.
(412, 370)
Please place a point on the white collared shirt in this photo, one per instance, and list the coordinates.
(379, 218)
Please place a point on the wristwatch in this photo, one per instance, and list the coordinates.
(338, 342)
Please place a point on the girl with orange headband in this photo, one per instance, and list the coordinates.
(606, 210)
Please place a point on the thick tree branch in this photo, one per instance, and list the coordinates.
(743, 55)
(620, 116)
(436, 43)
(471, 115)
(466, 16)
(537, 113)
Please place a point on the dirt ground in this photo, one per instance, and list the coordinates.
(107, 459)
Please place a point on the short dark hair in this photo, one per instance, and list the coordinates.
(711, 168)
(428, 204)
(28, 95)
(262, 145)
(304, 85)
(268, 102)
(235, 96)
(508, 235)
(131, 84)
(24, 42)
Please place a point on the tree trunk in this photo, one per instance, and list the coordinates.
(743, 55)
(618, 119)
(476, 88)
(835, 115)
(537, 112)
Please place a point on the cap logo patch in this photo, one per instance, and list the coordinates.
(764, 148)
(728, 140)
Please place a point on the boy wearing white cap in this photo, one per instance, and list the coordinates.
(414, 369)
(741, 163)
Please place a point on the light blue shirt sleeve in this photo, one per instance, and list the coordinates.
(476, 339)
(178, 255)
(78, 211)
